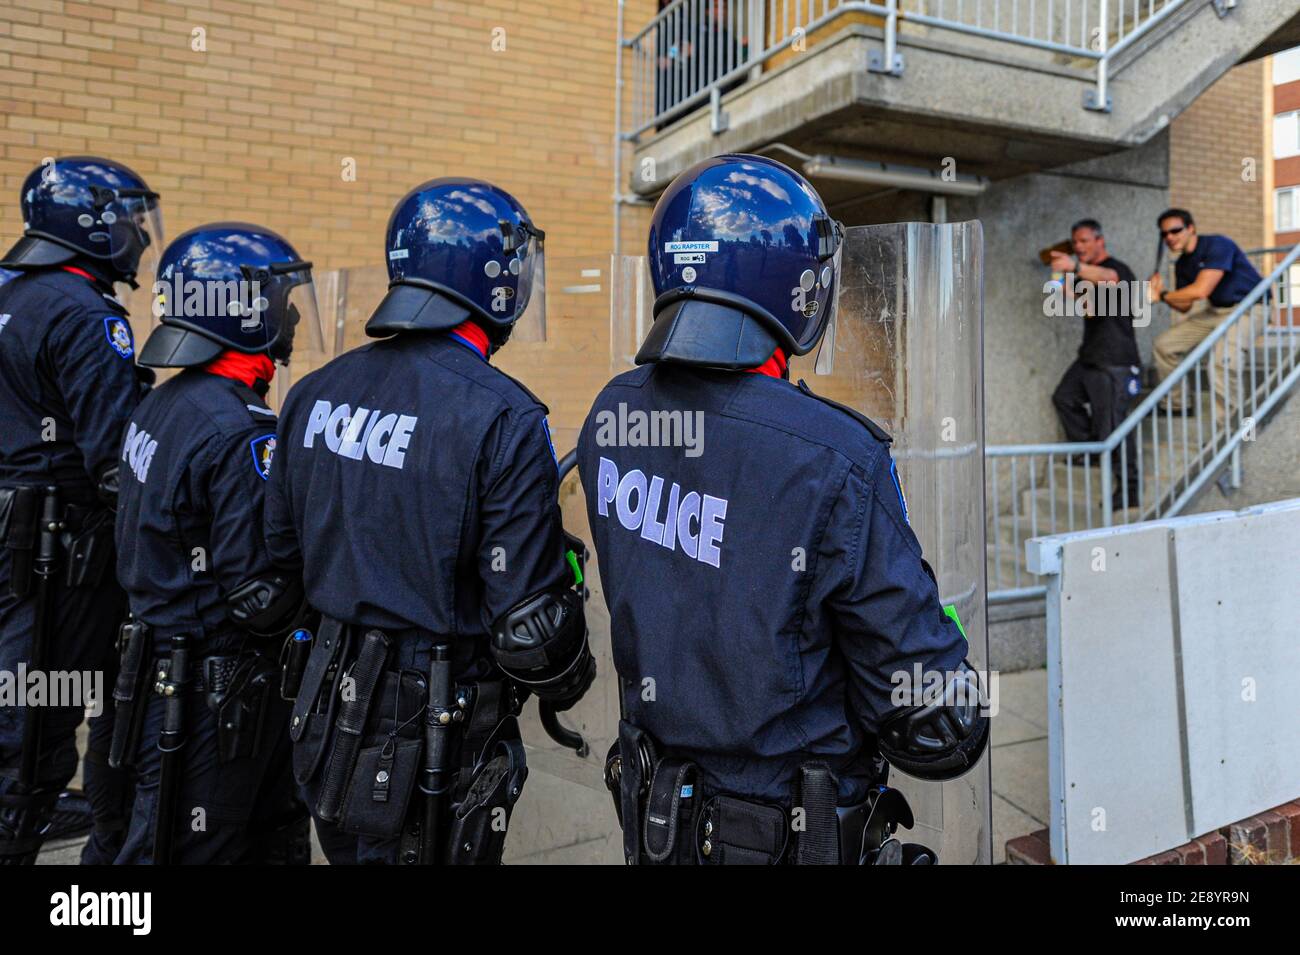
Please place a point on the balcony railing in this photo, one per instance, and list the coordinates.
(693, 51)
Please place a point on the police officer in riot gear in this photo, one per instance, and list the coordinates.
(199, 715)
(68, 384)
(415, 488)
(758, 723)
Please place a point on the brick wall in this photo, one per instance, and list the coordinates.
(1207, 145)
(258, 126)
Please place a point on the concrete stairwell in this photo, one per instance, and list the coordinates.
(1268, 470)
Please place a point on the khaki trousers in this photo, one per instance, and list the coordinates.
(1173, 345)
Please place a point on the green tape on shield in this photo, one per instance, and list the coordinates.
(951, 611)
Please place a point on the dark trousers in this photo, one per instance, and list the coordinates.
(226, 813)
(83, 638)
(1092, 402)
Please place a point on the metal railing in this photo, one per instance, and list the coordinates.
(1231, 380)
(693, 51)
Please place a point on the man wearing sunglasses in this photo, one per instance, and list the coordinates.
(1212, 276)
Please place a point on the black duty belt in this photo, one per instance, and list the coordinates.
(205, 675)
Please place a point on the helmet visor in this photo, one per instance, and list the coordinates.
(145, 214)
(303, 318)
(530, 323)
(300, 347)
(825, 363)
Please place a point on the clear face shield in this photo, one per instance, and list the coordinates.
(146, 219)
(302, 318)
(301, 345)
(825, 363)
(529, 264)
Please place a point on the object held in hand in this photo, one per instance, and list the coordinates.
(1045, 255)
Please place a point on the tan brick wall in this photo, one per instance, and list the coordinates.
(257, 127)
(1207, 145)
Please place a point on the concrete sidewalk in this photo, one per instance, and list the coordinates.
(1020, 802)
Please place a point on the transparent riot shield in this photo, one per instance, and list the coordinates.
(906, 349)
(908, 353)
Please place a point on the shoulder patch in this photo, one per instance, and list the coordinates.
(263, 449)
(879, 433)
(118, 333)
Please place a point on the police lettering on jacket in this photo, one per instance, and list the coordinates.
(378, 436)
(639, 503)
(138, 450)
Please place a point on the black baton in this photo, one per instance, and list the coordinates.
(46, 567)
(171, 743)
(437, 752)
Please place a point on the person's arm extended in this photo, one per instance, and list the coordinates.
(1096, 274)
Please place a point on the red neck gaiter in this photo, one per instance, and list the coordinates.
(99, 283)
(473, 337)
(774, 367)
(242, 367)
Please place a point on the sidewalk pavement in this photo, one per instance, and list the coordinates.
(1020, 802)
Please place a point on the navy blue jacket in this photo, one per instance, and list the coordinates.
(1220, 253)
(416, 488)
(68, 381)
(763, 587)
(194, 464)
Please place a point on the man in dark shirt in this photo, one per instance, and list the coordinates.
(1212, 275)
(1094, 395)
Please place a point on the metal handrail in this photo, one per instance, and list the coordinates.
(734, 45)
(1186, 469)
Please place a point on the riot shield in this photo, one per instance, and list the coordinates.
(906, 349)
(908, 353)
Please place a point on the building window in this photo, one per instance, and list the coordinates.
(1286, 66)
(1286, 209)
(1286, 134)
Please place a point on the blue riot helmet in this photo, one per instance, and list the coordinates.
(744, 259)
(83, 205)
(230, 285)
(462, 249)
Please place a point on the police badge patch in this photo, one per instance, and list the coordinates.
(119, 335)
(263, 449)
